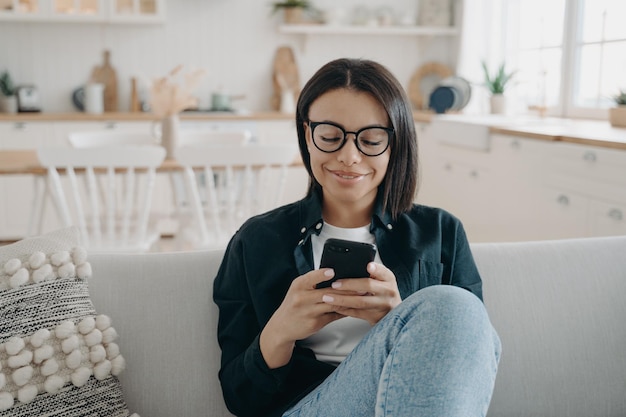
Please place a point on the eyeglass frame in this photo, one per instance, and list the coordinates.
(390, 132)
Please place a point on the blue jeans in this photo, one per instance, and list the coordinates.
(436, 354)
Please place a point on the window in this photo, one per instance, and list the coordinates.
(570, 55)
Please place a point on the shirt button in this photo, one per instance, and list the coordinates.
(318, 226)
(389, 226)
(303, 230)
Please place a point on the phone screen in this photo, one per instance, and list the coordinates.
(349, 259)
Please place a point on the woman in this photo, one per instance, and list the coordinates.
(394, 343)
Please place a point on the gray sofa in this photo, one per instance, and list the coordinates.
(559, 307)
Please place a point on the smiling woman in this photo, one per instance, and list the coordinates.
(349, 177)
(291, 348)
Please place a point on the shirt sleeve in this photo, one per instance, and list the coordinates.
(463, 270)
(248, 384)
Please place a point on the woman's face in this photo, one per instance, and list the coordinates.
(349, 178)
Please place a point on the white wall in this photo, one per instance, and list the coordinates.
(234, 40)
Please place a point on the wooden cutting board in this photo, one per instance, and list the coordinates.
(105, 74)
(285, 76)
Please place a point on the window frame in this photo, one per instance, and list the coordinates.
(571, 51)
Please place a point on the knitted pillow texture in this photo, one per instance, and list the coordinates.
(58, 357)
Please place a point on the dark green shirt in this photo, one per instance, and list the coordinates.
(425, 246)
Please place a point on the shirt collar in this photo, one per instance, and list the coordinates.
(311, 215)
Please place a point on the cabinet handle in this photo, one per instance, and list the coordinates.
(616, 214)
(563, 200)
(447, 167)
(516, 144)
(590, 156)
(110, 125)
(19, 126)
(474, 173)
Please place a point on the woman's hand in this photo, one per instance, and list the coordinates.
(301, 314)
(365, 298)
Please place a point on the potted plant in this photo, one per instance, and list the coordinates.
(496, 84)
(8, 100)
(617, 114)
(292, 9)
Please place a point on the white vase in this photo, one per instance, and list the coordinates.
(170, 128)
(498, 104)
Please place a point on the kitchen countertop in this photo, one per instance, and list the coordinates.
(584, 132)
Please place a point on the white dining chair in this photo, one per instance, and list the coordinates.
(214, 137)
(218, 209)
(81, 139)
(200, 138)
(113, 214)
(90, 139)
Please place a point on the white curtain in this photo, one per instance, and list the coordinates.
(482, 38)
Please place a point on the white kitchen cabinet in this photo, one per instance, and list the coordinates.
(565, 214)
(590, 181)
(607, 218)
(101, 11)
(460, 181)
(527, 188)
(519, 195)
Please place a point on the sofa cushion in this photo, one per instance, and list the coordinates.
(57, 355)
(559, 309)
(164, 312)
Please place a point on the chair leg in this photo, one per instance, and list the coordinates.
(38, 206)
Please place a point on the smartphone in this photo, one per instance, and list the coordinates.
(349, 259)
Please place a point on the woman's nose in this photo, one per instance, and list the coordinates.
(349, 154)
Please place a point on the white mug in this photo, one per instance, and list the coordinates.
(94, 98)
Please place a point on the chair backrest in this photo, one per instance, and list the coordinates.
(110, 138)
(229, 183)
(106, 192)
(210, 137)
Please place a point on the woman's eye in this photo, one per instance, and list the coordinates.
(370, 143)
(330, 139)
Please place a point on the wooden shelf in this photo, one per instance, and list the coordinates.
(318, 29)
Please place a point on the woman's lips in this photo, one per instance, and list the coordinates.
(347, 176)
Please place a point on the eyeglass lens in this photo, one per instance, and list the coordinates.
(371, 141)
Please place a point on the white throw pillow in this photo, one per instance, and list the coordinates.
(58, 357)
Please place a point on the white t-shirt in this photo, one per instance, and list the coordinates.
(337, 339)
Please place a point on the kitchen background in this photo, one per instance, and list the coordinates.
(233, 40)
(526, 176)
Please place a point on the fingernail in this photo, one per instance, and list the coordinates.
(371, 267)
(328, 299)
(329, 273)
(336, 284)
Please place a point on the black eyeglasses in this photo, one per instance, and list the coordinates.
(370, 141)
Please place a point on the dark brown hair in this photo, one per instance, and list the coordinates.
(399, 187)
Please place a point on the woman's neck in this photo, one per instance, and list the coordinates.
(347, 215)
